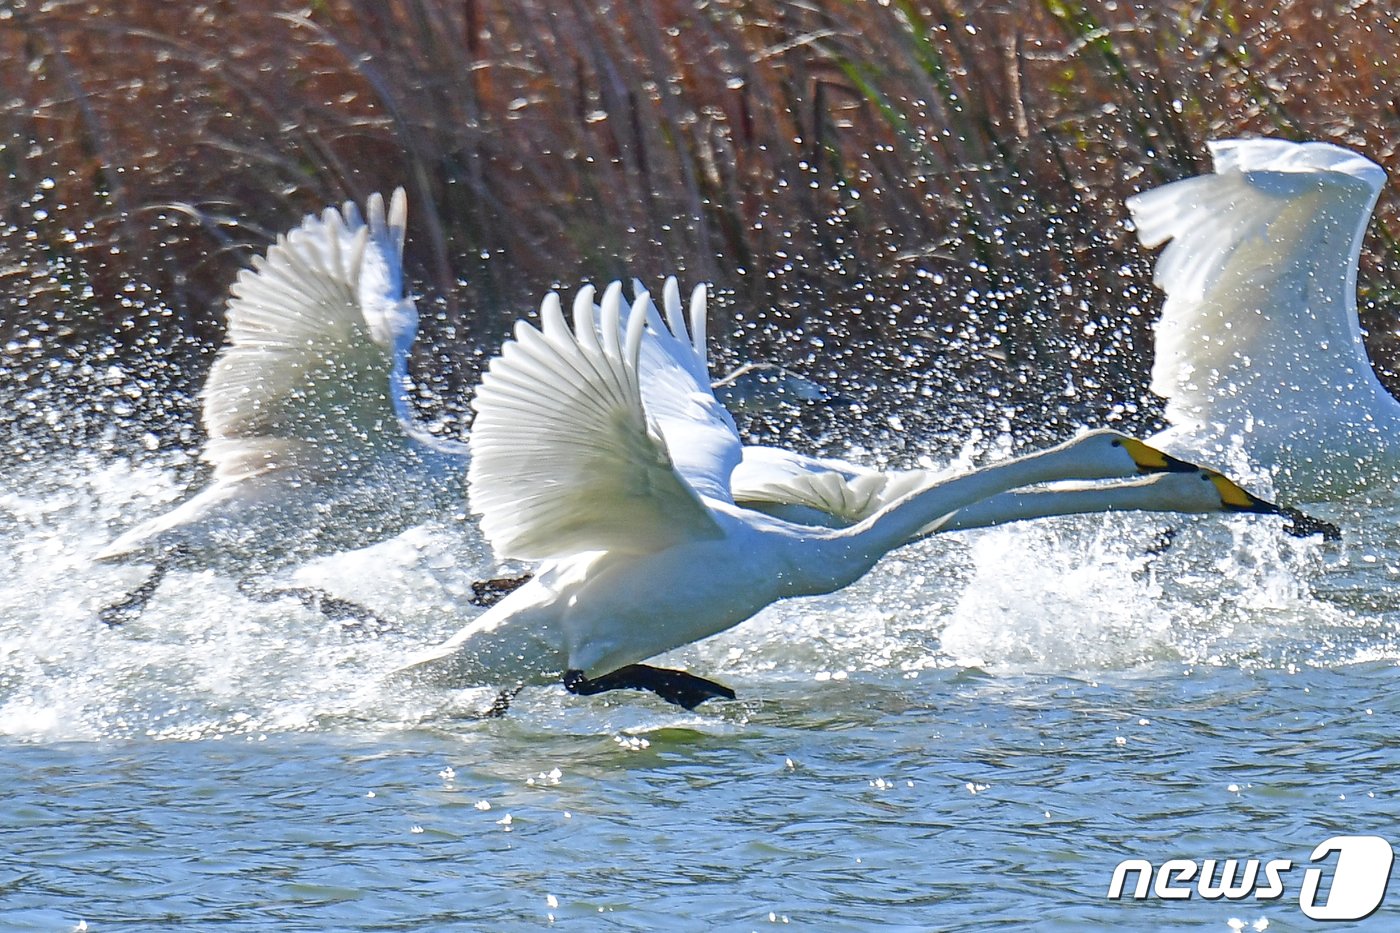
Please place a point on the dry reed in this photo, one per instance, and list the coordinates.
(931, 188)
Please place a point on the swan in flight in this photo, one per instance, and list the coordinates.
(310, 433)
(601, 452)
(1259, 343)
(833, 493)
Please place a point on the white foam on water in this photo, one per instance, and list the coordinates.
(888, 620)
(1113, 592)
(1064, 596)
(203, 659)
(1040, 599)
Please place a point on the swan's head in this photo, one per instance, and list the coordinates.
(1122, 455)
(1106, 454)
(1206, 491)
(761, 387)
(1202, 491)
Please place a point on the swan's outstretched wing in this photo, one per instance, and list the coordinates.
(675, 380)
(1260, 274)
(318, 335)
(564, 457)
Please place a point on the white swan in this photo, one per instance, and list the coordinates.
(310, 434)
(610, 462)
(833, 493)
(1259, 343)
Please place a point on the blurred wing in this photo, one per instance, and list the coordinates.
(563, 457)
(784, 483)
(1260, 272)
(761, 387)
(675, 381)
(318, 336)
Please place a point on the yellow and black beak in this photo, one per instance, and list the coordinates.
(1151, 460)
(1237, 499)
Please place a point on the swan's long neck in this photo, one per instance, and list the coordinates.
(1007, 507)
(843, 555)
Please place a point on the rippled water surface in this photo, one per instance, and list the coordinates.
(972, 737)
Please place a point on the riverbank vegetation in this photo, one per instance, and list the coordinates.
(917, 202)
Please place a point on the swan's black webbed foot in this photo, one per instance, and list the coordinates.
(486, 593)
(353, 618)
(130, 606)
(677, 687)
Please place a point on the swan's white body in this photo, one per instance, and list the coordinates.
(605, 456)
(311, 438)
(1259, 344)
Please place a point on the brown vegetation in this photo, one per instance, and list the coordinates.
(926, 186)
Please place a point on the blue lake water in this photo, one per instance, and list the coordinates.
(972, 737)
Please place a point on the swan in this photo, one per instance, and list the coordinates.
(312, 441)
(834, 493)
(1259, 344)
(310, 431)
(614, 474)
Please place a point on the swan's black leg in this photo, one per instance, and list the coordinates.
(1164, 541)
(130, 606)
(487, 593)
(501, 705)
(352, 616)
(672, 686)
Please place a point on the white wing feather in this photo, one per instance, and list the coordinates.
(564, 459)
(318, 336)
(1259, 275)
(774, 480)
(675, 381)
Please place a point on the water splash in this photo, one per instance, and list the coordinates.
(1071, 595)
(203, 660)
(1119, 591)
